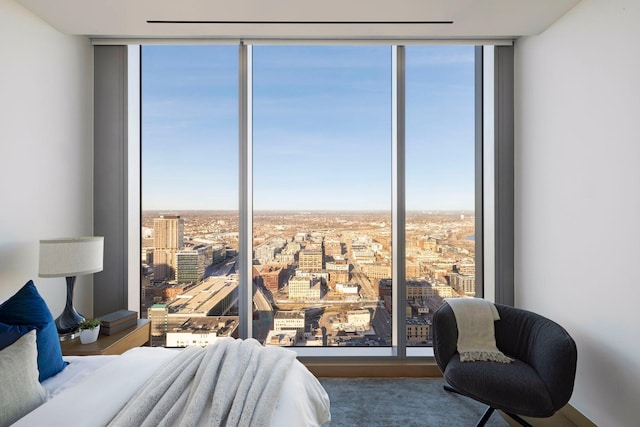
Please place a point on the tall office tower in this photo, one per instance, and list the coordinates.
(168, 239)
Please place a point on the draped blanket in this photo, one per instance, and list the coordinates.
(476, 333)
(231, 382)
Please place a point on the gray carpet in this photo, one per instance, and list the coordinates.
(402, 402)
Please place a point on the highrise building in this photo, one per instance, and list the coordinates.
(191, 264)
(168, 239)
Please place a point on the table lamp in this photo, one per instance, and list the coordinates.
(70, 257)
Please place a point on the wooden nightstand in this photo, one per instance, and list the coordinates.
(117, 343)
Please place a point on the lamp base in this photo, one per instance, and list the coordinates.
(69, 336)
(69, 320)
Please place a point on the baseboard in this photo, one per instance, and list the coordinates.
(576, 416)
(364, 368)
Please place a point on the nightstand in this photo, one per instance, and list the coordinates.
(117, 343)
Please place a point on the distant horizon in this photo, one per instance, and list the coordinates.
(170, 211)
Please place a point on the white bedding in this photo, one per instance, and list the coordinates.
(79, 368)
(93, 389)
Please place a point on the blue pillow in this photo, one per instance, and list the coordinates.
(10, 334)
(27, 308)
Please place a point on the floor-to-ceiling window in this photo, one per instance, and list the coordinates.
(189, 176)
(440, 182)
(321, 192)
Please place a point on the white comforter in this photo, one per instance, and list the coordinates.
(96, 399)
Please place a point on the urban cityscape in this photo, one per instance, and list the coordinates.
(321, 169)
(319, 278)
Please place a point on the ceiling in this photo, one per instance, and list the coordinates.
(456, 19)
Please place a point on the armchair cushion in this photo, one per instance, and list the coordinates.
(516, 386)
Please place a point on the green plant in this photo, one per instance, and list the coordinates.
(89, 324)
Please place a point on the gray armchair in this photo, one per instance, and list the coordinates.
(536, 384)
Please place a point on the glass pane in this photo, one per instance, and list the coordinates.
(189, 192)
(440, 186)
(322, 194)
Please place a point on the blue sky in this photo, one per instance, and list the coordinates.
(321, 133)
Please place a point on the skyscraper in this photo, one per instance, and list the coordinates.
(168, 239)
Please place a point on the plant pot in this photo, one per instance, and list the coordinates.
(88, 336)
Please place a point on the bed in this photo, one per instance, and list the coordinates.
(230, 382)
(91, 390)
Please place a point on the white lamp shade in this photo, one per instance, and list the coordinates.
(71, 256)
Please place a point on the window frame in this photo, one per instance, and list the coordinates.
(494, 184)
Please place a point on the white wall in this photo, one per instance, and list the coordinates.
(578, 195)
(46, 149)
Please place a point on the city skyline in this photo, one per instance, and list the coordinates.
(320, 279)
(307, 154)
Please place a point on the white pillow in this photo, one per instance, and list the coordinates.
(21, 392)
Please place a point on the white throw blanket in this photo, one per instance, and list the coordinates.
(476, 334)
(228, 383)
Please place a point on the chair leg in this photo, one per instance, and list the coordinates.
(487, 414)
(450, 389)
(522, 422)
(485, 417)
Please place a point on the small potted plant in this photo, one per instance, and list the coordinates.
(89, 330)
